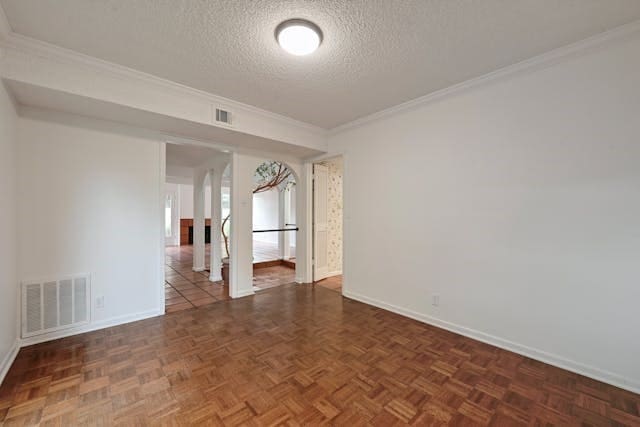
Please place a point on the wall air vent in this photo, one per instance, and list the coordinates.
(223, 116)
(52, 305)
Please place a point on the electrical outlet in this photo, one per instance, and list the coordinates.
(100, 302)
(435, 300)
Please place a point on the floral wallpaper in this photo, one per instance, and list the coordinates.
(335, 215)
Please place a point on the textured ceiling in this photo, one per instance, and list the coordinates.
(375, 53)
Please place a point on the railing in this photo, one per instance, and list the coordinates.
(276, 229)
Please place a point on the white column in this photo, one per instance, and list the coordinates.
(304, 239)
(198, 222)
(282, 219)
(215, 263)
(241, 262)
(289, 236)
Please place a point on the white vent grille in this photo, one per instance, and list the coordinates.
(223, 116)
(51, 305)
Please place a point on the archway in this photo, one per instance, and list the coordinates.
(274, 226)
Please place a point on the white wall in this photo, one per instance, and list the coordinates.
(518, 203)
(186, 201)
(90, 199)
(265, 215)
(8, 231)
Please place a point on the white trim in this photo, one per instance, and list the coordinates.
(334, 273)
(214, 278)
(162, 173)
(107, 323)
(8, 359)
(244, 293)
(5, 31)
(305, 193)
(533, 353)
(60, 54)
(102, 324)
(57, 53)
(541, 61)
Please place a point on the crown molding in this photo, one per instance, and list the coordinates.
(5, 27)
(537, 62)
(59, 54)
(11, 40)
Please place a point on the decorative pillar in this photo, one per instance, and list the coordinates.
(241, 260)
(198, 222)
(215, 262)
(290, 236)
(304, 209)
(282, 220)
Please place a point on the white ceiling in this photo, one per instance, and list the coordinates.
(375, 54)
(189, 156)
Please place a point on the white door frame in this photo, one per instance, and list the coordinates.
(174, 239)
(162, 179)
(310, 243)
(320, 221)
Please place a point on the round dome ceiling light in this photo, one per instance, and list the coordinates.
(298, 36)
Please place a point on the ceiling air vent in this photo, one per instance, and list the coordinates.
(223, 116)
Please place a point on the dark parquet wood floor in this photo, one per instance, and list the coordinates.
(296, 355)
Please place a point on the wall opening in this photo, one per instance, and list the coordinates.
(274, 225)
(327, 223)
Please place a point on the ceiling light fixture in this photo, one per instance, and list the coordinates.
(298, 36)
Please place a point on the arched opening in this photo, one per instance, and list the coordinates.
(193, 268)
(274, 225)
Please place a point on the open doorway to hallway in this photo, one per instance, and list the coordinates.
(190, 199)
(274, 225)
(328, 223)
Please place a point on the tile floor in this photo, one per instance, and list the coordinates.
(185, 288)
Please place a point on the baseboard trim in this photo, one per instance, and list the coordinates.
(244, 294)
(8, 360)
(334, 273)
(540, 355)
(6, 363)
(94, 326)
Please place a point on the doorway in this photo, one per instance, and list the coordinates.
(172, 215)
(196, 194)
(274, 225)
(328, 223)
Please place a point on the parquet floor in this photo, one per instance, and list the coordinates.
(267, 251)
(269, 277)
(334, 283)
(296, 355)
